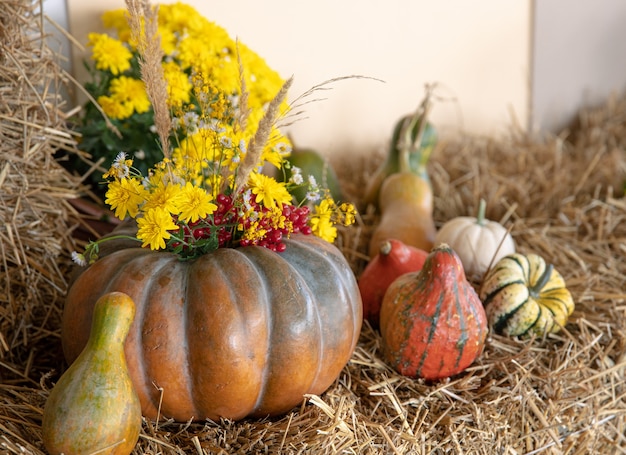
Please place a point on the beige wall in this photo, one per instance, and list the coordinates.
(478, 52)
(579, 58)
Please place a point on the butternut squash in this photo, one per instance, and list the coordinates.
(406, 202)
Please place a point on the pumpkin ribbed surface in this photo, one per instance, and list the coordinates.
(432, 322)
(234, 333)
(522, 295)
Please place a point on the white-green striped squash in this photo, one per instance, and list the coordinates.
(524, 296)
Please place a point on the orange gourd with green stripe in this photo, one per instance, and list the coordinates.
(432, 323)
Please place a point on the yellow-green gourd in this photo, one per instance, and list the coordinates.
(93, 408)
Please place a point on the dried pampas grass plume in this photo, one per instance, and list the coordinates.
(258, 141)
(144, 21)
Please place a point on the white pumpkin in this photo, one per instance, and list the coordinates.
(480, 243)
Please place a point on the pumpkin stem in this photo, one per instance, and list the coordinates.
(535, 290)
(385, 248)
(480, 216)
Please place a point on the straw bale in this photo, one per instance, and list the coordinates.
(34, 188)
(561, 196)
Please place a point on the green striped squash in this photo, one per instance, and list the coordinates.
(523, 296)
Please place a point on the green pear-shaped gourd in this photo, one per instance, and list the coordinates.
(93, 408)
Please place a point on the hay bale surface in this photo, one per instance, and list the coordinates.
(562, 197)
(34, 188)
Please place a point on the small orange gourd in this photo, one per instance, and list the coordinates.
(393, 259)
(93, 408)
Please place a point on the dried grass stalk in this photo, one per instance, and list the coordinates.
(259, 140)
(144, 25)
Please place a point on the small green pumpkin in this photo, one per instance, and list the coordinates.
(523, 295)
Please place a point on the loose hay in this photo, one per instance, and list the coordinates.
(562, 198)
(34, 190)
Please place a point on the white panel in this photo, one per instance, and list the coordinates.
(477, 51)
(579, 58)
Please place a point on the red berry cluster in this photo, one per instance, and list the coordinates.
(227, 217)
(296, 220)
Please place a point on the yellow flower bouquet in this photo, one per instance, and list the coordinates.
(191, 45)
(213, 111)
(238, 311)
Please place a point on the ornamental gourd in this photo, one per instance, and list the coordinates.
(421, 131)
(93, 408)
(234, 333)
(393, 259)
(405, 197)
(432, 323)
(523, 296)
(479, 242)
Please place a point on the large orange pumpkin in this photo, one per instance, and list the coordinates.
(234, 333)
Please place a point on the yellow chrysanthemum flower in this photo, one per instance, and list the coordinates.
(322, 226)
(178, 84)
(131, 92)
(118, 20)
(261, 80)
(153, 228)
(125, 196)
(276, 149)
(163, 196)
(196, 53)
(194, 203)
(195, 148)
(114, 109)
(182, 18)
(109, 53)
(169, 41)
(268, 191)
